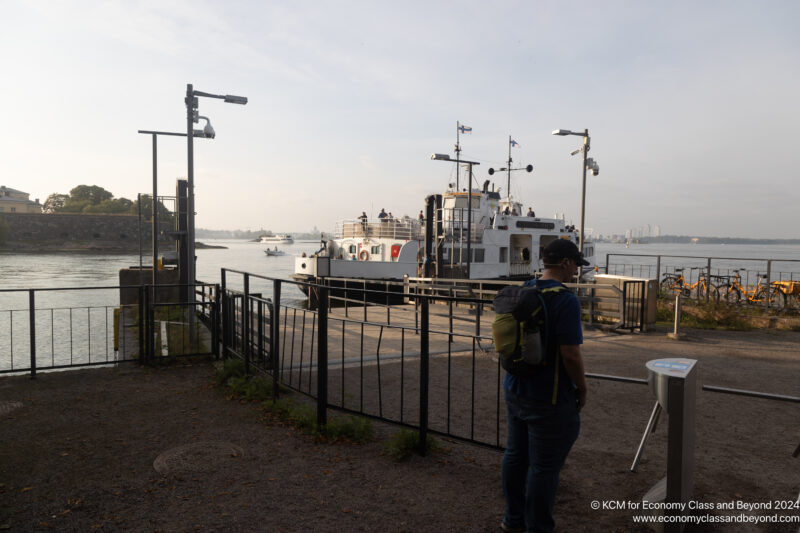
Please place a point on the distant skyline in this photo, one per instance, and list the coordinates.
(691, 106)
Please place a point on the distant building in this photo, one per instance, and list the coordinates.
(14, 201)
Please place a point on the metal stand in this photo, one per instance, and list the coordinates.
(650, 429)
(674, 384)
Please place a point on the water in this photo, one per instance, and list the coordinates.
(75, 325)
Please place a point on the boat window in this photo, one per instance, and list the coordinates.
(461, 202)
(503, 254)
(375, 249)
(478, 255)
(352, 249)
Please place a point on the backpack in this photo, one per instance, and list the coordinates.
(521, 328)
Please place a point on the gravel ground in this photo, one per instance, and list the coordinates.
(164, 449)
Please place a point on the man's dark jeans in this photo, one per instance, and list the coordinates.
(540, 436)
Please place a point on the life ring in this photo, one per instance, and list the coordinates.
(363, 255)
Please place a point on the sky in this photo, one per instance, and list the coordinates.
(692, 106)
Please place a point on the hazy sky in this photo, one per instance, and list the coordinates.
(692, 106)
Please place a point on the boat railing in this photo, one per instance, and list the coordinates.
(404, 229)
(456, 230)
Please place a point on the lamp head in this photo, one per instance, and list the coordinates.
(233, 99)
(561, 132)
(529, 168)
(440, 157)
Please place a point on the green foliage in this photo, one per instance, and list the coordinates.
(304, 417)
(300, 415)
(707, 315)
(55, 203)
(116, 206)
(406, 442)
(89, 199)
(3, 231)
(91, 194)
(230, 368)
(352, 429)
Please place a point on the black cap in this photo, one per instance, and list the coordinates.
(563, 249)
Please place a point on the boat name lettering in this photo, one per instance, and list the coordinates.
(537, 225)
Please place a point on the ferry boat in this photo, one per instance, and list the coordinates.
(490, 241)
(475, 234)
(280, 238)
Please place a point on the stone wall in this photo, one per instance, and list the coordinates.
(74, 232)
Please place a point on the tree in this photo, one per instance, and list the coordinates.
(93, 194)
(87, 199)
(55, 203)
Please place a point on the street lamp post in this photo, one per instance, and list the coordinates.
(192, 117)
(587, 163)
(155, 135)
(446, 157)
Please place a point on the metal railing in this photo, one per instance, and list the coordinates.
(46, 330)
(378, 361)
(401, 229)
(753, 271)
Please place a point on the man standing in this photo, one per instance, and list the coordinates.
(542, 408)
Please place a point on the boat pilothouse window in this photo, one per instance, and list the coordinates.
(461, 202)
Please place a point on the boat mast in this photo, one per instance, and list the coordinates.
(508, 185)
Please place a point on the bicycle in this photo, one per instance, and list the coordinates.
(786, 293)
(733, 291)
(677, 283)
(673, 281)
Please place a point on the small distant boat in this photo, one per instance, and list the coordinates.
(274, 252)
(280, 238)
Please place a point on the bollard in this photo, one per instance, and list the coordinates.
(676, 334)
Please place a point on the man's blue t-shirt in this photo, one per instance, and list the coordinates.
(565, 315)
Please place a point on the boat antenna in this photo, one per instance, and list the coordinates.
(528, 168)
(458, 150)
(460, 128)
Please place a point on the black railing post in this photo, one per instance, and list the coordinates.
(274, 340)
(423, 376)
(260, 331)
(141, 324)
(246, 324)
(215, 304)
(224, 312)
(145, 323)
(32, 326)
(322, 360)
(450, 312)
